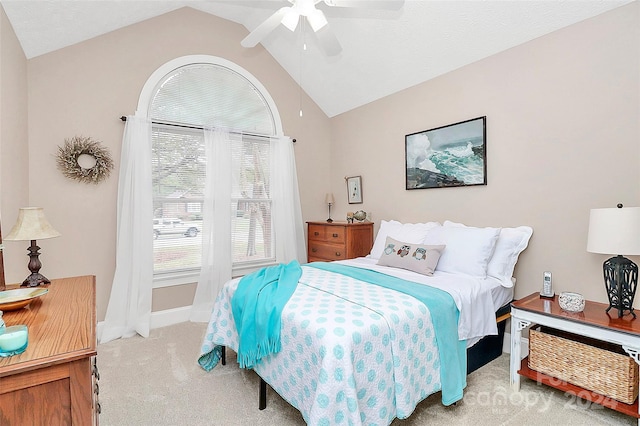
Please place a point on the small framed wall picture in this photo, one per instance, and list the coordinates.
(354, 189)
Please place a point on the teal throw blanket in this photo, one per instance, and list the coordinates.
(444, 315)
(257, 307)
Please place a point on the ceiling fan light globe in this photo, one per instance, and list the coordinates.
(290, 20)
(317, 20)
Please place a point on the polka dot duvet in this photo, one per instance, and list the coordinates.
(352, 352)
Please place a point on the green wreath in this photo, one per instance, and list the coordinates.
(68, 155)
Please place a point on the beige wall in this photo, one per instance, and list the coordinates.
(562, 117)
(83, 89)
(14, 160)
(562, 137)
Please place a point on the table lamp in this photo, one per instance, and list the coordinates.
(329, 200)
(32, 225)
(617, 231)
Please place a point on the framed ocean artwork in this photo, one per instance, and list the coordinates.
(452, 155)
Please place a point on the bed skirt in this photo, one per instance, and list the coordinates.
(489, 347)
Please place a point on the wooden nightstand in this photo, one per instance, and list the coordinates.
(593, 322)
(338, 240)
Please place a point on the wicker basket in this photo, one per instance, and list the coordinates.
(604, 370)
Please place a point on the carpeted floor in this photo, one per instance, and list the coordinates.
(157, 381)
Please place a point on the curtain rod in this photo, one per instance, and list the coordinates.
(184, 126)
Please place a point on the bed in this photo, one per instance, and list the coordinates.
(364, 341)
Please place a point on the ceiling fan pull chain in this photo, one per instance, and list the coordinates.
(303, 32)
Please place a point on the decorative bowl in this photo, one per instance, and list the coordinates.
(571, 302)
(360, 215)
(11, 300)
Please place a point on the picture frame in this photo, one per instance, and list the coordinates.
(447, 156)
(354, 189)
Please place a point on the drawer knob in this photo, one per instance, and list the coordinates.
(335, 235)
(316, 233)
(99, 408)
(338, 253)
(314, 250)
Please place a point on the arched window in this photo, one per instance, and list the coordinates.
(182, 98)
(205, 159)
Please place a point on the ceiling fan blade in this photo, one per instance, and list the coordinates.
(265, 28)
(317, 20)
(328, 41)
(367, 4)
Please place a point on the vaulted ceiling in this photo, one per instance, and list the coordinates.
(383, 51)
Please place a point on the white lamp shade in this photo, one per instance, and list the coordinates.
(328, 199)
(614, 231)
(31, 225)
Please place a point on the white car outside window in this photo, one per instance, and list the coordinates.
(168, 226)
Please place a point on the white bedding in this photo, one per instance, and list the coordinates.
(477, 299)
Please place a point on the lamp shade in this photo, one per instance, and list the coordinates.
(328, 199)
(31, 225)
(614, 231)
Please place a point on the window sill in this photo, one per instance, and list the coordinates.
(191, 277)
(175, 278)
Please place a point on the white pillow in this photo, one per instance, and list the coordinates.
(511, 242)
(412, 233)
(468, 250)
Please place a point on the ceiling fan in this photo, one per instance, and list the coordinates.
(289, 16)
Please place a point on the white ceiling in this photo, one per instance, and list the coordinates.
(383, 51)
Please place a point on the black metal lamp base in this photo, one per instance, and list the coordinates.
(34, 280)
(620, 280)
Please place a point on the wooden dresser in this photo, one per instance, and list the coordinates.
(338, 240)
(53, 382)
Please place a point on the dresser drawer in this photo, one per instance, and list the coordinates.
(332, 234)
(326, 251)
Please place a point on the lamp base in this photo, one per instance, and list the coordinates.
(34, 280)
(621, 281)
(329, 220)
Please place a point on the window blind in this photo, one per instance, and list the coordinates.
(202, 95)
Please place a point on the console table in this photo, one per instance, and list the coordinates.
(55, 380)
(593, 322)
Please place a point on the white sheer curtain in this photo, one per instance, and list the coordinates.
(129, 308)
(216, 227)
(216, 235)
(286, 210)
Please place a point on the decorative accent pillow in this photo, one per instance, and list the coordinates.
(408, 232)
(414, 257)
(468, 249)
(511, 242)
